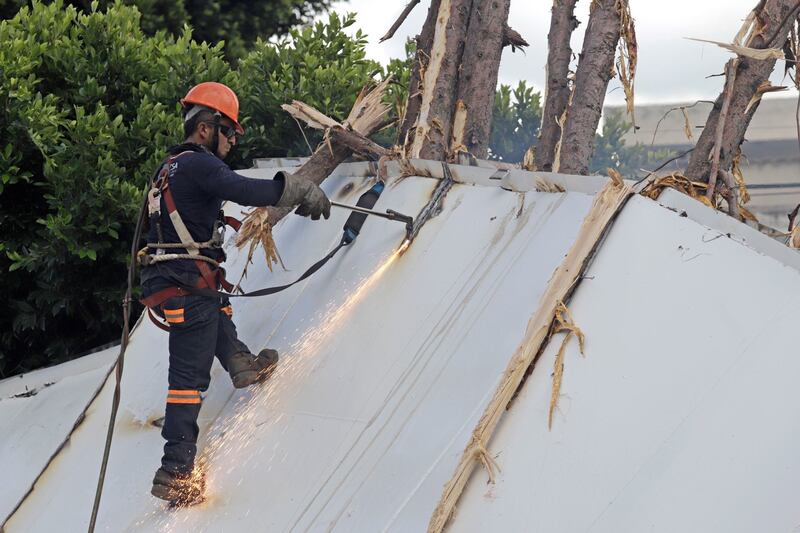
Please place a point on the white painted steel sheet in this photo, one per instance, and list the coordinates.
(37, 412)
(362, 424)
(685, 413)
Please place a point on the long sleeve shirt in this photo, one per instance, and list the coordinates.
(200, 182)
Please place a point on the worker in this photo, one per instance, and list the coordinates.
(183, 252)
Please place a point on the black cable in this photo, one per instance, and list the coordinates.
(269, 290)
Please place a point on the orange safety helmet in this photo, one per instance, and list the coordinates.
(216, 96)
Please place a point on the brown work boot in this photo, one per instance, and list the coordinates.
(246, 368)
(179, 489)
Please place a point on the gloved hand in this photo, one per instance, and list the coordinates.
(305, 194)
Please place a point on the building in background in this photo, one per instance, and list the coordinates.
(771, 163)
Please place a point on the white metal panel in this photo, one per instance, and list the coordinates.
(367, 413)
(728, 226)
(383, 403)
(683, 416)
(37, 412)
(388, 361)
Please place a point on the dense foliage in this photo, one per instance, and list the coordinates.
(610, 150)
(319, 65)
(516, 119)
(239, 23)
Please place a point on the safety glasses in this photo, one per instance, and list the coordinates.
(228, 131)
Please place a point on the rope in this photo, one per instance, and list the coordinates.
(192, 245)
(169, 257)
(126, 315)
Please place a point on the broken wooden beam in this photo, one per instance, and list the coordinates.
(365, 118)
(357, 143)
(424, 42)
(434, 124)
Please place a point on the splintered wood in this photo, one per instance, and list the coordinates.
(680, 183)
(757, 45)
(607, 204)
(628, 55)
(562, 322)
(759, 54)
(256, 230)
(731, 191)
(366, 116)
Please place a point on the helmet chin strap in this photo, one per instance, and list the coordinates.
(214, 146)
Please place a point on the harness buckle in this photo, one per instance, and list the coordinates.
(154, 202)
(218, 234)
(143, 258)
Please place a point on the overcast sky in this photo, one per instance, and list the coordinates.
(671, 68)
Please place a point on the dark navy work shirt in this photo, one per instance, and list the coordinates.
(200, 182)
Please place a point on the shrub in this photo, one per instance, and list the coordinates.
(319, 65)
(516, 119)
(87, 106)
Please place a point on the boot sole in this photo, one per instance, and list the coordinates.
(163, 492)
(175, 497)
(251, 377)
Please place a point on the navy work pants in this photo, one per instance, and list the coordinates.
(200, 328)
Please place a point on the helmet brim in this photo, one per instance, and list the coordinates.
(187, 102)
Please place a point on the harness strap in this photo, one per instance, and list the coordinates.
(153, 259)
(232, 222)
(174, 245)
(154, 319)
(159, 297)
(177, 222)
(269, 290)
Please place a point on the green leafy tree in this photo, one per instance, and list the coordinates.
(612, 152)
(236, 22)
(516, 119)
(87, 106)
(319, 65)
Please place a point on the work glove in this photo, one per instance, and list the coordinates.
(305, 194)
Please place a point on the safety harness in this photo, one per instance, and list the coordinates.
(211, 274)
(210, 279)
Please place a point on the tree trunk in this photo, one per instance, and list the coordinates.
(773, 24)
(477, 82)
(562, 24)
(424, 44)
(439, 81)
(595, 70)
